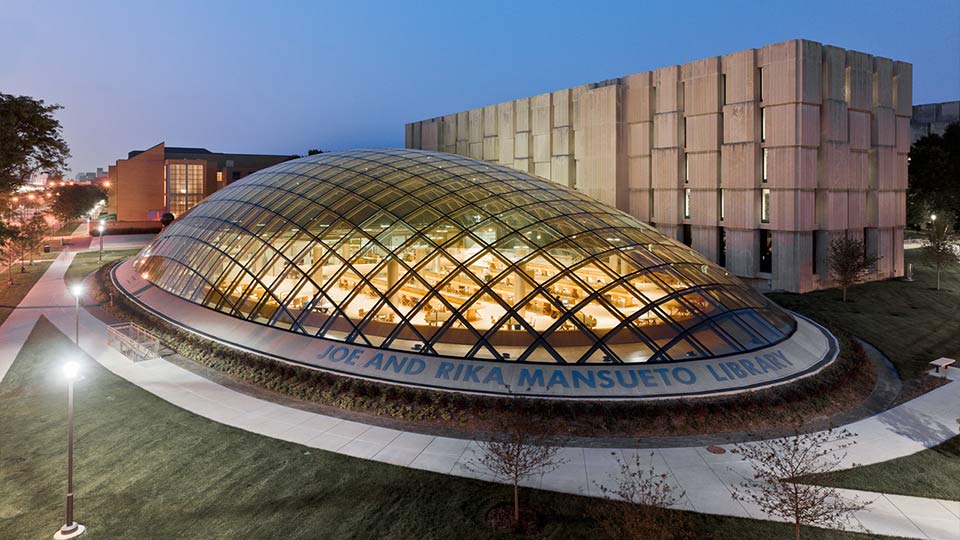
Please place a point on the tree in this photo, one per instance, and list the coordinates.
(30, 141)
(10, 249)
(516, 452)
(933, 170)
(849, 262)
(638, 503)
(166, 219)
(34, 231)
(779, 463)
(939, 246)
(314, 151)
(73, 201)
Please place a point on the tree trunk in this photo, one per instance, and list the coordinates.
(938, 277)
(797, 526)
(844, 293)
(516, 504)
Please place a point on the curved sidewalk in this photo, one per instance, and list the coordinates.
(707, 478)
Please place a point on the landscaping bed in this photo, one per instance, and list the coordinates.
(841, 387)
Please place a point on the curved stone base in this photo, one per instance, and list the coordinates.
(808, 351)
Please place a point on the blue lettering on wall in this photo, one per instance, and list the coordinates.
(587, 378)
(471, 373)
(646, 377)
(633, 379)
(663, 375)
(494, 376)
(531, 378)
(375, 362)
(716, 375)
(443, 370)
(415, 366)
(558, 379)
(684, 375)
(748, 365)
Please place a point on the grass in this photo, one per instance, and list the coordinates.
(929, 473)
(67, 229)
(909, 322)
(147, 469)
(86, 262)
(11, 295)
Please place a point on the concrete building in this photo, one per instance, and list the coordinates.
(757, 158)
(90, 176)
(171, 179)
(933, 118)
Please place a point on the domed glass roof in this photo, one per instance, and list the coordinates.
(445, 255)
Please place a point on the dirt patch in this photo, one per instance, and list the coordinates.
(501, 518)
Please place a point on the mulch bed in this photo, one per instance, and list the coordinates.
(501, 518)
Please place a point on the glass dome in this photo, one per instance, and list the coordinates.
(421, 251)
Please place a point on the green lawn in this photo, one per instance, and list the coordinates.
(68, 228)
(930, 473)
(11, 295)
(910, 322)
(147, 469)
(86, 262)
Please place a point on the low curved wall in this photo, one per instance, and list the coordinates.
(808, 351)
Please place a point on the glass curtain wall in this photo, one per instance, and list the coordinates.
(413, 250)
(185, 183)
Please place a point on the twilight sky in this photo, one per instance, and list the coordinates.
(284, 76)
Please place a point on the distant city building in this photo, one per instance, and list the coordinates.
(933, 118)
(90, 176)
(171, 179)
(757, 159)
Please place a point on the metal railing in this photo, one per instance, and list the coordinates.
(133, 341)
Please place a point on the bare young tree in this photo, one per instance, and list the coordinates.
(940, 245)
(849, 261)
(517, 451)
(779, 463)
(638, 503)
(10, 249)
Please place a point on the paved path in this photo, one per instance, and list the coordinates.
(706, 478)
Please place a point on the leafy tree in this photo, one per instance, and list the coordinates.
(940, 245)
(933, 172)
(314, 151)
(778, 464)
(167, 218)
(34, 231)
(849, 262)
(638, 503)
(73, 201)
(30, 141)
(516, 452)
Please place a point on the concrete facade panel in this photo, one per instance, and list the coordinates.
(837, 131)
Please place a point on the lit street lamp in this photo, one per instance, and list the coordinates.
(77, 291)
(101, 229)
(70, 529)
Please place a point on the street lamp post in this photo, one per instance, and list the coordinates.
(70, 529)
(77, 291)
(100, 229)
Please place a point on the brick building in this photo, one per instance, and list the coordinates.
(172, 179)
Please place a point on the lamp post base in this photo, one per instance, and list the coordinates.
(71, 530)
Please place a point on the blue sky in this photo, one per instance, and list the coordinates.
(282, 77)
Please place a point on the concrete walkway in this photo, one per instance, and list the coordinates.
(707, 479)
